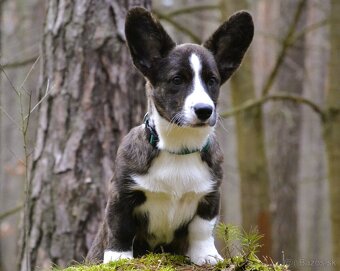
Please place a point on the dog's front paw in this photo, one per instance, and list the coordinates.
(110, 256)
(201, 254)
(211, 259)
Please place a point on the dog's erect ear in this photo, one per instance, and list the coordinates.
(230, 42)
(146, 38)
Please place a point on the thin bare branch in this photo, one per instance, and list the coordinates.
(19, 63)
(191, 9)
(12, 152)
(310, 28)
(26, 121)
(282, 97)
(9, 117)
(47, 92)
(288, 41)
(29, 73)
(179, 27)
(9, 80)
(11, 212)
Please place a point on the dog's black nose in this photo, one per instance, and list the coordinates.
(203, 111)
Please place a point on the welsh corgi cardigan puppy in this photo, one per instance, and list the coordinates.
(165, 191)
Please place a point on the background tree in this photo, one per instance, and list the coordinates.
(332, 127)
(313, 209)
(81, 123)
(251, 156)
(283, 122)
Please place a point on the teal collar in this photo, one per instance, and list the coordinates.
(185, 151)
(153, 139)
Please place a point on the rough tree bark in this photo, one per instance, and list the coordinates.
(332, 129)
(250, 150)
(96, 97)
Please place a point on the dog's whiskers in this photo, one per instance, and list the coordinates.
(220, 123)
(178, 117)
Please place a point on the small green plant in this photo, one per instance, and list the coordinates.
(240, 248)
(229, 235)
(236, 240)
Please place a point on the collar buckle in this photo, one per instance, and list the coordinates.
(151, 133)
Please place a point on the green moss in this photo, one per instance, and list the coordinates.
(166, 262)
(162, 262)
(245, 259)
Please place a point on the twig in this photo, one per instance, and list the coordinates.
(179, 27)
(19, 63)
(310, 28)
(27, 118)
(282, 97)
(9, 117)
(9, 80)
(11, 212)
(29, 73)
(47, 92)
(191, 9)
(16, 156)
(286, 44)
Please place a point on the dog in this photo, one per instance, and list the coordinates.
(165, 191)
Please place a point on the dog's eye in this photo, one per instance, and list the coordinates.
(177, 80)
(212, 81)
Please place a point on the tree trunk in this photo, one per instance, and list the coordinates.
(332, 128)
(283, 136)
(252, 160)
(313, 205)
(250, 150)
(96, 97)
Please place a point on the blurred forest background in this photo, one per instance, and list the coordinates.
(69, 93)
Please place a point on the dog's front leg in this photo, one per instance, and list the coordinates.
(121, 230)
(202, 248)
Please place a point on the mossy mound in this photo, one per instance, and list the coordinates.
(235, 240)
(166, 262)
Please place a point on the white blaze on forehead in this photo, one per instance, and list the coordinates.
(195, 64)
(198, 95)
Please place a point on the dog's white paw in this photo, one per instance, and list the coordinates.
(110, 256)
(212, 260)
(203, 253)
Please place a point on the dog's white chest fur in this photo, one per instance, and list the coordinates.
(173, 186)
